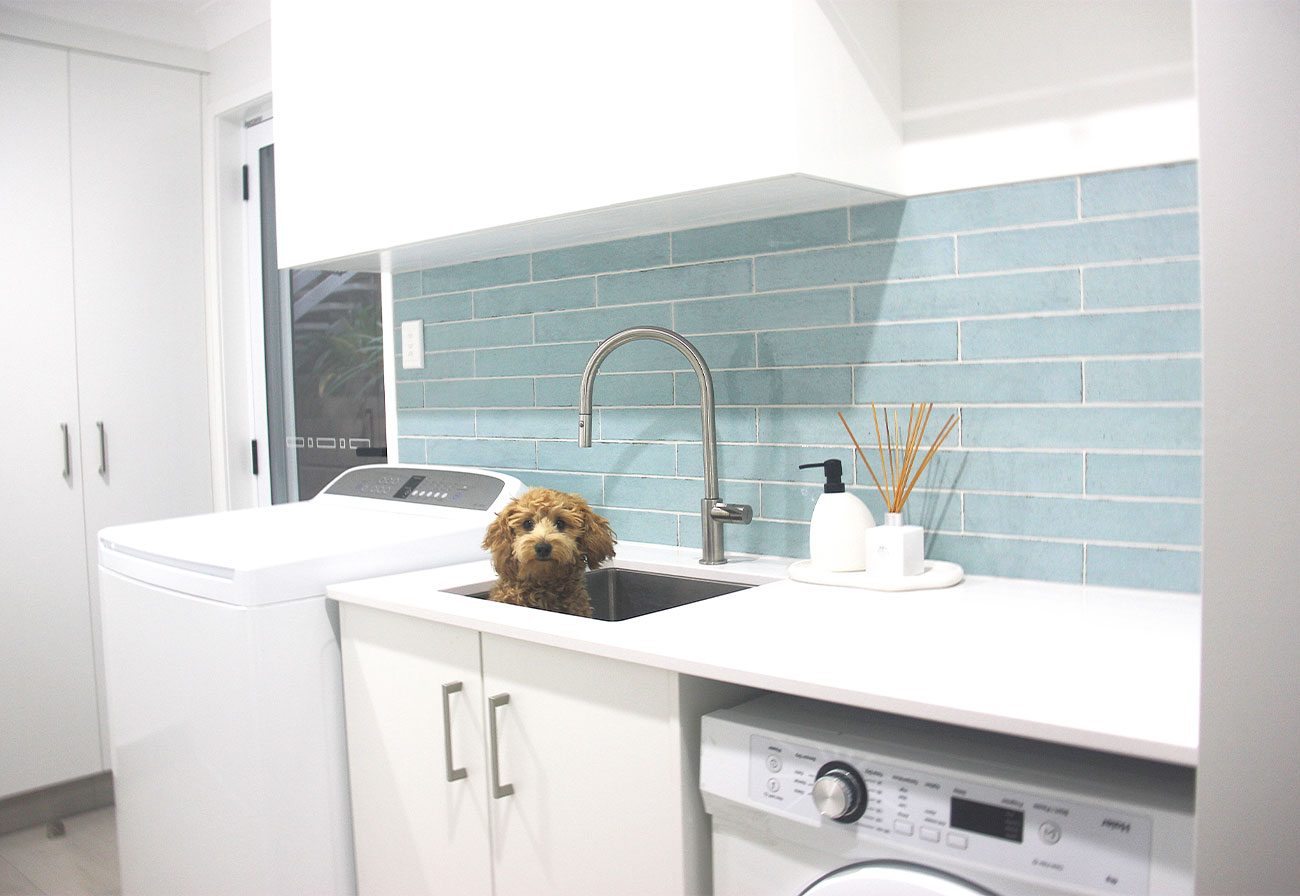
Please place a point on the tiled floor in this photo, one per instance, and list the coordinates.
(83, 862)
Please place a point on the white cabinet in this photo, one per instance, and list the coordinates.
(101, 248)
(464, 118)
(481, 764)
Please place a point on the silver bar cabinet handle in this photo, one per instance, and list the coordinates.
(103, 448)
(499, 790)
(453, 773)
(67, 451)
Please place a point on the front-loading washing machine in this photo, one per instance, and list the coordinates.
(816, 799)
(223, 674)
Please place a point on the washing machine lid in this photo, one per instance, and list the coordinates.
(893, 879)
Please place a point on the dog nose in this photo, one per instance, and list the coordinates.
(542, 550)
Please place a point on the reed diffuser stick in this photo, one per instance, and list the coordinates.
(898, 453)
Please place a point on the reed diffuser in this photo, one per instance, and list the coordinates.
(896, 549)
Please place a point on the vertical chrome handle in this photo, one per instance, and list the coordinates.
(67, 451)
(499, 790)
(453, 773)
(103, 448)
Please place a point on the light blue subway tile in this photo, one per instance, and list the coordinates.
(767, 311)
(498, 392)
(982, 209)
(689, 281)
(1041, 472)
(855, 264)
(792, 385)
(760, 462)
(651, 459)
(476, 274)
(802, 231)
(1129, 285)
(494, 454)
(1084, 427)
(527, 423)
(532, 360)
(438, 366)
(858, 344)
(1125, 239)
(1138, 190)
(553, 295)
(1111, 333)
(1142, 522)
(641, 525)
(1160, 569)
(759, 537)
(436, 423)
(598, 258)
(720, 351)
(410, 395)
(591, 486)
(1144, 475)
(411, 451)
(673, 424)
(434, 309)
(599, 323)
(967, 296)
(813, 425)
(973, 383)
(407, 285)
(609, 390)
(479, 333)
(1171, 379)
(1018, 558)
(677, 494)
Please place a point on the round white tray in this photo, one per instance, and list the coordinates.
(938, 574)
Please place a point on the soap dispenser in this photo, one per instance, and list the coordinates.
(837, 542)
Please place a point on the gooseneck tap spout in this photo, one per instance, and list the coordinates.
(714, 513)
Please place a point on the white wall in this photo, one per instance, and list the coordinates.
(1023, 89)
(1248, 789)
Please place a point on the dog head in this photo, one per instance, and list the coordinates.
(543, 532)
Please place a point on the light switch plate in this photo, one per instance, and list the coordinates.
(412, 344)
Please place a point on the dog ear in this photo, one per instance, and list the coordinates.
(597, 538)
(498, 541)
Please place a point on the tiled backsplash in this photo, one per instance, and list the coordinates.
(1060, 319)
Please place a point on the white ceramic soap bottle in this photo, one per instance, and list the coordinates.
(836, 542)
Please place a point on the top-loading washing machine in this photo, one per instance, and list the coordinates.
(815, 799)
(223, 678)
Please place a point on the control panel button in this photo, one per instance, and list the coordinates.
(930, 835)
(958, 841)
(1049, 832)
(903, 827)
(773, 762)
(773, 785)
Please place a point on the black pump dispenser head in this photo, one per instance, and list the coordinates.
(834, 474)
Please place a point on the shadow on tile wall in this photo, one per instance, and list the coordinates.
(1059, 319)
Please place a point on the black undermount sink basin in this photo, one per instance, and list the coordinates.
(619, 594)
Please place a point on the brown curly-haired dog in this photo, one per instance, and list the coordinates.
(542, 545)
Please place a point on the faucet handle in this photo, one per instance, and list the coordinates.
(732, 513)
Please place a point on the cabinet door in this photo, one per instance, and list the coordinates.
(49, 724)
(592, 749)
(415, 830)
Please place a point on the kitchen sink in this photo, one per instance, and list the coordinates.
(619, 594)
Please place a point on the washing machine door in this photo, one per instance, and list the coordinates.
(893, 879)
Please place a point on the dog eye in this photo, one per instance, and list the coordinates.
(527, 526)
(559, 525)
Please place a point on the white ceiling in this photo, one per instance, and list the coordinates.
(194, 24)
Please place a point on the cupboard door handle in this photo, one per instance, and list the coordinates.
(103, 448)
(67, 451)
(453, 773)
(499, 790)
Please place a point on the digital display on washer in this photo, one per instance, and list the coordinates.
(408, 487)
(992, 821)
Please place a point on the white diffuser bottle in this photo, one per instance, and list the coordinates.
(894, 550)
(837, 539)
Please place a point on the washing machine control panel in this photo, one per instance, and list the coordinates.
(1037, 835)
(469, 489)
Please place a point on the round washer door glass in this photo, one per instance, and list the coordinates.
(893, 879)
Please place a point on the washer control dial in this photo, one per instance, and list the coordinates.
(839, 793)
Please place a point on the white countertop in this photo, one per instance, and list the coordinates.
(1105, 668)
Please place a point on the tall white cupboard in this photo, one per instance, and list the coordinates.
(105, 402)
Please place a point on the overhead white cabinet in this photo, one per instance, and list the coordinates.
(488, 765)
(101, 245)
(582, 119)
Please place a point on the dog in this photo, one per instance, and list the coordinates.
(542, 544)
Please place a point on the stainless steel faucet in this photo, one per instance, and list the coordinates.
(714, 513)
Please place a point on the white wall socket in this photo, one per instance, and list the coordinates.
(412, 344)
